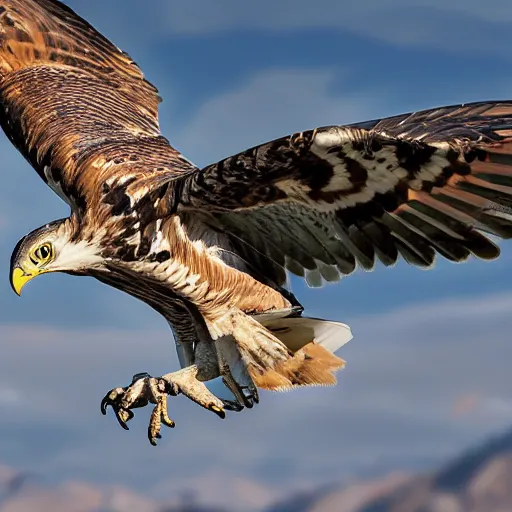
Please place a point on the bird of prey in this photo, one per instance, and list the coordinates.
(211, 249)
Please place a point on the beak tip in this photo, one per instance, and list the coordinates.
(18, 280)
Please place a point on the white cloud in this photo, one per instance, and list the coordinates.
(423, 22)
(393, 404)
(405, 369)
(270, 104)
(397, 21)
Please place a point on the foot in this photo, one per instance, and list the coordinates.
(146, 389)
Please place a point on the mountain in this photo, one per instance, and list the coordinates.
(480, 480)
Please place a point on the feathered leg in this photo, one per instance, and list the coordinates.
(247, 355)
(254, 351)
(234, 372)
(255, 354)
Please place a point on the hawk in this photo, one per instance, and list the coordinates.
(211, 249)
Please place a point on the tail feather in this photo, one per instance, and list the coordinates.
(312, 365)
(281, 352)
(313, 343)
(296, 332)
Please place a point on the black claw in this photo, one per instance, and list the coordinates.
(123, 424)
(120, 420)
(230, 405)
(104, 406)
(248, 402)
(107, 400)
(219, 412)
(237, 391)
(152, 439)
(170, 425)
(247, 399)
(115, 402)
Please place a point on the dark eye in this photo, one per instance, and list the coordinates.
(43, 253)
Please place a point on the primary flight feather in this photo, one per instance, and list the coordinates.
(210, 248)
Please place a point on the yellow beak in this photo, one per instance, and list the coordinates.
(19, 279)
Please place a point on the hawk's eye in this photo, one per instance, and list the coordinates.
(42, 254)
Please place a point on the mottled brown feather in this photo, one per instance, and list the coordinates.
(339, 197)
(71, 101)
(318, 203)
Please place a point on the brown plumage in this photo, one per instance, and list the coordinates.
(77, 104)
(312, 365)
(210, 248)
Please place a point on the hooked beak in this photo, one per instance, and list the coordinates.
(19, 279)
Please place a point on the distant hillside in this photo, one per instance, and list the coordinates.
(478, 481)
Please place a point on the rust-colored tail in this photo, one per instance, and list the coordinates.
(312, 343)
(312, 365)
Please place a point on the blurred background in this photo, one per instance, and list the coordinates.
(420, 419)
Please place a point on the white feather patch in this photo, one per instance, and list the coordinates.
(299, 331)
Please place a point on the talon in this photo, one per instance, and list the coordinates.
(123, 416)
(217, 410)
(122, 400)
(145, 389)
(230, 405)
(110, 399)
(234, 387)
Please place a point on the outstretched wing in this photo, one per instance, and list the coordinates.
(321, 202)
(78, 108)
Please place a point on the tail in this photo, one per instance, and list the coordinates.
(297, 332)
(283, 353)
(312, 342)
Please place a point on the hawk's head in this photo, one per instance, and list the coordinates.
(51, 248)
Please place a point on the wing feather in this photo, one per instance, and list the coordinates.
(318, 203)
(76, 106)
(343, 197)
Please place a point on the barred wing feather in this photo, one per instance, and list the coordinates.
(322, 202)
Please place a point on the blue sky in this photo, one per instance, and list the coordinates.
(233, 75)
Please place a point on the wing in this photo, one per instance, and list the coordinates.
(321, 202)
(78, 108)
